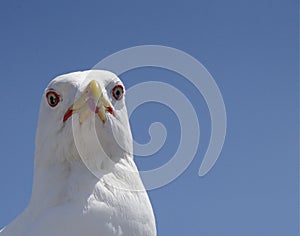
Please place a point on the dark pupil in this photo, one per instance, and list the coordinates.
(118, 93)
(52, 100)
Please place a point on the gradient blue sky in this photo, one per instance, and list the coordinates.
(251, 49)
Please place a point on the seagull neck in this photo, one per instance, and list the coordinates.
(57, 183)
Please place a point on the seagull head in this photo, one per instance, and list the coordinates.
(83, 110)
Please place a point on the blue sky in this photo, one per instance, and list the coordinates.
(250, 48)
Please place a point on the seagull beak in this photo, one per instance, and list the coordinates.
(91, 101)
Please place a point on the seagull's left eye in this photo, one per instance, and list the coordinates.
(53, 98)
(117, 92)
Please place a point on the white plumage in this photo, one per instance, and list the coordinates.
(80, 188)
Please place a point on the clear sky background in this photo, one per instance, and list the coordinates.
(250, 48)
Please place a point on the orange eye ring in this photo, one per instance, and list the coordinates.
(53, 98)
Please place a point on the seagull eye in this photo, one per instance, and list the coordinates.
(117, 92)
(52, 98)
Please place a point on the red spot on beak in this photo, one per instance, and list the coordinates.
(108, 109)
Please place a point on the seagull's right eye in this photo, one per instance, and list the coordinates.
(53, 98)
(118, 92)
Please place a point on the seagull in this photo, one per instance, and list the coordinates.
(85, 179)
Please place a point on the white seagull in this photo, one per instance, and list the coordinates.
(85, 180)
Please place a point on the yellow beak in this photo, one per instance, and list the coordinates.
(91, 101)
